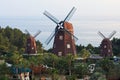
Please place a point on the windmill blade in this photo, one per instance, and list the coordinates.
(70, 14)
(27, 31)
(51, 17)
(112, 34)
(75, 38)
(37, 33)
(51, 37)
(101, 34)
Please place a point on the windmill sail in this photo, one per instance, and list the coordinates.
(51, 17)
(75, 38)
(112, 34)
(101, 35)
(27, 32)
(51, 37)
(70, 14)
(37, 34)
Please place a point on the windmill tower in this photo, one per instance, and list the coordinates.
(106, 45)
(64, 39)
(31, 48)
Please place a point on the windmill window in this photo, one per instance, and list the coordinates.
(32, 48)
(68, 46)
(59, 53)
(72, 37)
(28, 44)
(61, 37)
(105, 46)
(108, 50)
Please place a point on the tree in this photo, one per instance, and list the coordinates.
(90, 48)
(116, 45)
(4, 71)
(50, 60)
(79, 48)
(106, 64)
(69, 59)
(84, 53)
(81, 70)
(39, 47)
(62, 65)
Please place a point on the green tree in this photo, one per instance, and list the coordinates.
(84, 53)
(106, 64)
(62, 65)
(39, 47)
(79, 48)
(116, 45)
(70, 59)
(81, 69)
(4, 71)
(90, 48)
(50, 60)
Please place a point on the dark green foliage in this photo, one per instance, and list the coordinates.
(79, 48)
(12, 39)
(116, 46)
(39, 47)
(73, 77)
(97, 76)
(81, 70)
(89, 47)
(4, 71)
(3, 77)
(106, 64)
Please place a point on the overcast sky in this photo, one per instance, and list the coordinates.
(37, 7)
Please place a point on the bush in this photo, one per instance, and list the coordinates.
(3, 77)
(72, 77)
(97, 76)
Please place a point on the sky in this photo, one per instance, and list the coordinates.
(36, 7)
(87, 18)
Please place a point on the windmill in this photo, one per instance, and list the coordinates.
(31, 43)
(64, 39)
(106, 45)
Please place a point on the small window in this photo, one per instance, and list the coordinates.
(59, 53)
(28, 44)
(32, 48)
(68, 46)
(105, 46)
(108, 50)
(72, 37)
(61, 37)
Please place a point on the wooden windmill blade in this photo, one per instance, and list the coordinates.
(75, 38)
(37, 33)
(27, 32)
(50, 16)
(51, 36)
(101, 35)
(70, 14)
(68, 32)
(112, 34)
